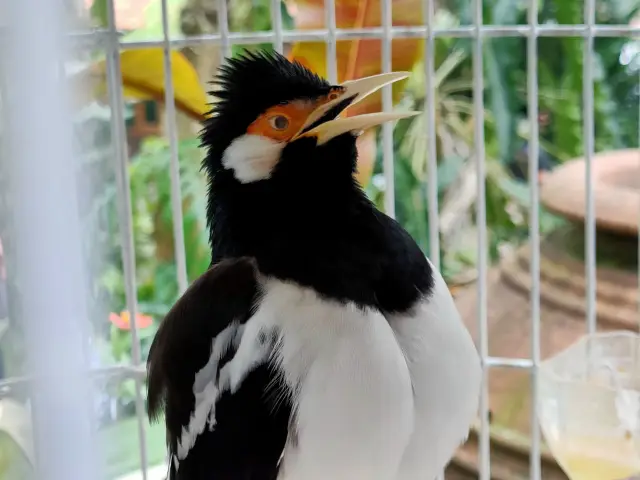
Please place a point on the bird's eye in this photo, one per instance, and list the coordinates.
(334, 93)
(279, 122)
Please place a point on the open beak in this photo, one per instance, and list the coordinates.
(352, 92)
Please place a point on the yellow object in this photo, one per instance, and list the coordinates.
(358, 58)
(584, 458)
(143, 79)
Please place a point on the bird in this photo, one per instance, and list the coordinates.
(321, 343)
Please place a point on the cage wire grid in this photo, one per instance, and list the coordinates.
(38, 38)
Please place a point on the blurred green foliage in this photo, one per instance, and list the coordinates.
(156, 274)
(14, 464)
(153, 226)
(560, 71)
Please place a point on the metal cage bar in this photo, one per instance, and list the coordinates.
(174, 169)
(587, 115)
(481, 219)
(534, 232)
(52, 303)
(119, 142)
(387, 104)
(93, 38)
(428, 12)
(223, 27)
(330, 23)
(321, 35)
(276, 23)
(433, 214)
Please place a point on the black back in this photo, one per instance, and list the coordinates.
(251, 428)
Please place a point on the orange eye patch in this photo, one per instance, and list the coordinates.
(282, 122)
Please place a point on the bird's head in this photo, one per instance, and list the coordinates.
(277, 145)
(273, 117)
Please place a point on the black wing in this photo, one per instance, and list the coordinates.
(250, 430)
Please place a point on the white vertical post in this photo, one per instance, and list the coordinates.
(330, 24)
(481, 225)
(276, 25)
(174, 169)
(119, 141)
(534, 231)
(42, 165)
(223, 28)
(387, 105)
(430, 112)
(588, 129)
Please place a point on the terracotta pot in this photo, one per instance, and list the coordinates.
(563, 293)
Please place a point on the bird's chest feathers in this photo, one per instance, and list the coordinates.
(347, 378)
(314, 333)
(446, 375)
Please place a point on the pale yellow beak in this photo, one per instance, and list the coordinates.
(356, 90)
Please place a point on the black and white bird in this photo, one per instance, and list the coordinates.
(321, 344)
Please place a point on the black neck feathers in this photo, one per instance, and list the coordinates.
(311, 223)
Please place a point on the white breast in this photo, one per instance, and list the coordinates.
(353, 403)
(446, 375)
(375, 398)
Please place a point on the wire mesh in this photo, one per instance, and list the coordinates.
(534, 231)
(100, 37)
(484, 468)
(116, 102)
(172, 131)
(478, 33)
(54, 307)
(589, 133)
(428, 8)
(223, 27)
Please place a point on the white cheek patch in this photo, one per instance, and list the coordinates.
(252, 157)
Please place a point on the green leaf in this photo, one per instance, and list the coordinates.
(98, 12)
(497, 70)
(516, 190)
(448, 170)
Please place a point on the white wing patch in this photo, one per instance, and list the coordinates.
(349, 383)
(206, 392)
(211, 381)
(250, 353)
